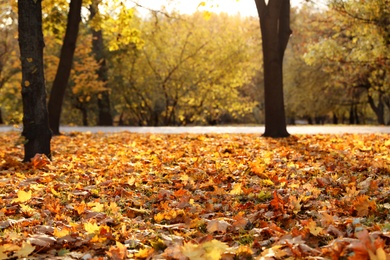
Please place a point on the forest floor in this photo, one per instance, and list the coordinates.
(197, 196)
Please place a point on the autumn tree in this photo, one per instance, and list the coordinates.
(103, 101)
(36, 129)
(275, 32)
(355, 52)
(9, 63)
(303, 82)
(189, 70)
(65, 64)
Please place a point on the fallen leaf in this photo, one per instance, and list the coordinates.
(217, 225)
(25, 251)
(23, 196)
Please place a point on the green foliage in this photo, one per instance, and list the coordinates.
(204, 68)
(353, 49)
(189, 70)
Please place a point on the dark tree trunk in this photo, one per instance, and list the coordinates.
(1, 118)
(35, 116)
(379, 109)
(104, 117)
(335, 119)
(275, 32)
(85, 116)
(64, 67)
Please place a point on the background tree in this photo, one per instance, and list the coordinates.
(35, 116)
(275, 32)
(9, 62)
(65, 64)
(355, 53)
(103, 101)
(189, 69)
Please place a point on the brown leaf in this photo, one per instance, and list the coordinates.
(217, 225)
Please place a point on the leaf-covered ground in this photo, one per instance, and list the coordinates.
(143, 196)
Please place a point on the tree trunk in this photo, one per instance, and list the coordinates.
(1, 118)
(35, 116)
(104, 117)
(64, 67)
(379, 109)
(275, 32)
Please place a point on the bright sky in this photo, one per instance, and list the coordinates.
(244, 7)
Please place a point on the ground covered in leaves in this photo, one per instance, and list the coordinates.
(144, 196)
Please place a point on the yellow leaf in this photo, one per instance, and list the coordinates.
(144, 253)
(314, 230)
(10, 247)
(236, 189)
(113, 207)
(61, 232)
(203, 3)
(214, 249)
(2, 255)
(211, 250)
(91, 228)
(98, 207)
(23, 196)
(193, 252)
(159, 217)
(26, 249)
(55, 193)
(26, 83)
(381, 254)
(27, 209)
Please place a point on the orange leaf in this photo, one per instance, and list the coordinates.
(40, 161)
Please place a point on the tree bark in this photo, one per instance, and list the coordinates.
(64, 67)
(104, 117)
(379, 109)
(1, 118)
(275, 32)
(35, 116)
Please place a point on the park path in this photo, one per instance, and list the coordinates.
(301, 129)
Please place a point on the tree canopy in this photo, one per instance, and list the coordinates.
(167, 68)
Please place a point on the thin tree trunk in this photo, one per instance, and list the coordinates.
(35, 116)
(1, 117)
(379, 109)
(275, 31)
(64, 67)
(104, 117)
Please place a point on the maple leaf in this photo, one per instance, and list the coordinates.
(237, 189)
(211, 250)
(192, 251)
(117, 252)
(40, 161)
(23, 196)
(145, 252)
(91, 227)
(217, 225)
(174, 251)
(313, 228)
(214, 249)
(295, 204)
(364, 206)
(274, 252)
(61, 232)
(277, 203)
(25, 251)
